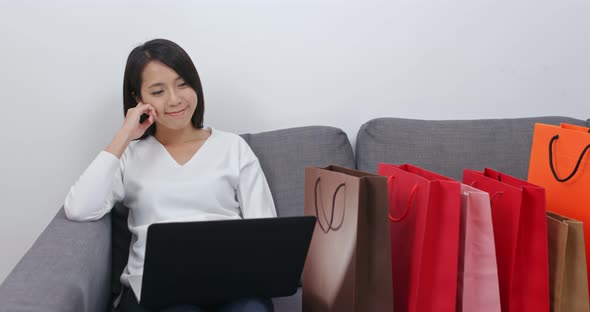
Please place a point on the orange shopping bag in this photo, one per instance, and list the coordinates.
(575, 127)
(559, 163)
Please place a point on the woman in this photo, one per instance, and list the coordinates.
(167, 167)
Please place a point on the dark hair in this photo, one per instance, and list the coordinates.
(171, 55)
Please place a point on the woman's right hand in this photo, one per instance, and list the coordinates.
(131, 128)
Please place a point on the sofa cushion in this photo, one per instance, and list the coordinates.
(449, 146)
(284, 154)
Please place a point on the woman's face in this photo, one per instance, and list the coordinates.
(174, 100)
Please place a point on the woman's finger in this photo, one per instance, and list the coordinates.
(152, 109)
(146, 124)
(152, 117)
(144, 107)
(148, 109)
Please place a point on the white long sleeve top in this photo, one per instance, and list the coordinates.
(223, 180)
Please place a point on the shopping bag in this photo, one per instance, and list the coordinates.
(425, 216)
(520, 232)
(348, 267)
(574, 127)
(567, 264)
(559, 164)
(477, 280)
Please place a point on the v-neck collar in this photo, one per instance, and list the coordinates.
(174, 162)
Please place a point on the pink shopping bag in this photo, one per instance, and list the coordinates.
(477, 280)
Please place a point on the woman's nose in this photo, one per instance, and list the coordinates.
(174, 99)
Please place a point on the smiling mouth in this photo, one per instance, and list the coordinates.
(178, 113)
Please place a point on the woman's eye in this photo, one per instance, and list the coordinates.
(182, 84)
(157, 92)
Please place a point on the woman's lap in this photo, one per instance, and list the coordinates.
(248, 305)
(242, 305)
(129, 304)
(184, 308)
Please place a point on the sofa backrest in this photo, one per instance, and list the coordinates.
(284, 154)
(447, 147)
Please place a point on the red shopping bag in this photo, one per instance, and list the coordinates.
(424, 214)
(520, 232)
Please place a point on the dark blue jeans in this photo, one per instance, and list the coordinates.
(129, 304)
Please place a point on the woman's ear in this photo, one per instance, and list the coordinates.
(136, 97)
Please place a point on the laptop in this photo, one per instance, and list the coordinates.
(209, 262)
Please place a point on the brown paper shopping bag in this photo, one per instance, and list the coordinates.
(567, 264)
(348, 267)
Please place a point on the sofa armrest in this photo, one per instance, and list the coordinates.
(67, 269)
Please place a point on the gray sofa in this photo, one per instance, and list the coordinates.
(69, 268)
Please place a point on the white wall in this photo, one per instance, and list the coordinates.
(267, 65)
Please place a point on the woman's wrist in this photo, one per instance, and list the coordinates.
(119, 144)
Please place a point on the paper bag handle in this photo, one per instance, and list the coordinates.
(330, 222)
(408, 206)
(474, 183)
(494, 197)
(553, 139)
